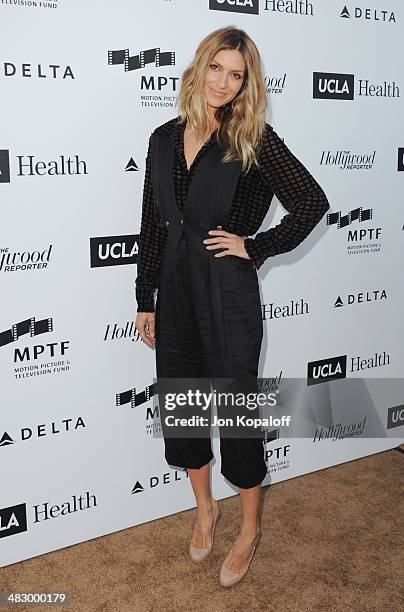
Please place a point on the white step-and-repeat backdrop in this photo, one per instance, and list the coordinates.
(82, 86)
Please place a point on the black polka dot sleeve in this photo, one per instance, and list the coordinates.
(298, 192)
(152, 241)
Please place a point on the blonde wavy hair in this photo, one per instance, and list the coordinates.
(242, 120)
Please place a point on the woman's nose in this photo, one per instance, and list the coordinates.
(222, 81)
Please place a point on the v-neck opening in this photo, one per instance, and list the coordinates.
(200, 151)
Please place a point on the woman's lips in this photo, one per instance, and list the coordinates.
(220, 95)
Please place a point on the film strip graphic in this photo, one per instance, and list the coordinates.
(135, 399)
(358, 214)
(271, 435)
(29, 326)
(136, 62)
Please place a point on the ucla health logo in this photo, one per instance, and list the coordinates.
(289, 7)
(13, 519)
(333, 368)
(400, 160)
(235, 6)
(325, 370)
(340, 86)
(4, 166)
(113, 250)
(333, 86)
(29, 165)
(395, 416)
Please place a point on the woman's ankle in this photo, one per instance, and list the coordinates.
(206, 505)
(250, 531)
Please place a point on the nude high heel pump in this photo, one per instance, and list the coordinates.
(227, 577)
(199, 554)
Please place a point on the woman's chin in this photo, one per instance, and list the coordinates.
(215, 102)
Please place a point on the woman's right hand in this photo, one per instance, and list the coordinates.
(145, 323)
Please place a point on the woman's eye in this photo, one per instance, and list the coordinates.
(236, 74)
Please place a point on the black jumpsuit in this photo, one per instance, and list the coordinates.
(208, 310)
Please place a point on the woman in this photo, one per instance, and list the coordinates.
(211, 174)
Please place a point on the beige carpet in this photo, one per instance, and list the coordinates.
(332, 540)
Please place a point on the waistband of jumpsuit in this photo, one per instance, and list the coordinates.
(192, 232)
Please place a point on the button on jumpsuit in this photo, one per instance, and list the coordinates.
(208, 313)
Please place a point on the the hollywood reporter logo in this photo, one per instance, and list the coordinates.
(17, 261)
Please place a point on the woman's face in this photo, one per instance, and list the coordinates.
(224, 77)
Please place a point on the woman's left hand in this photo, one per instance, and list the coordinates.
(224, 240)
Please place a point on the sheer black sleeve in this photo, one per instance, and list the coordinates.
(152, 240)
(298, 192)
